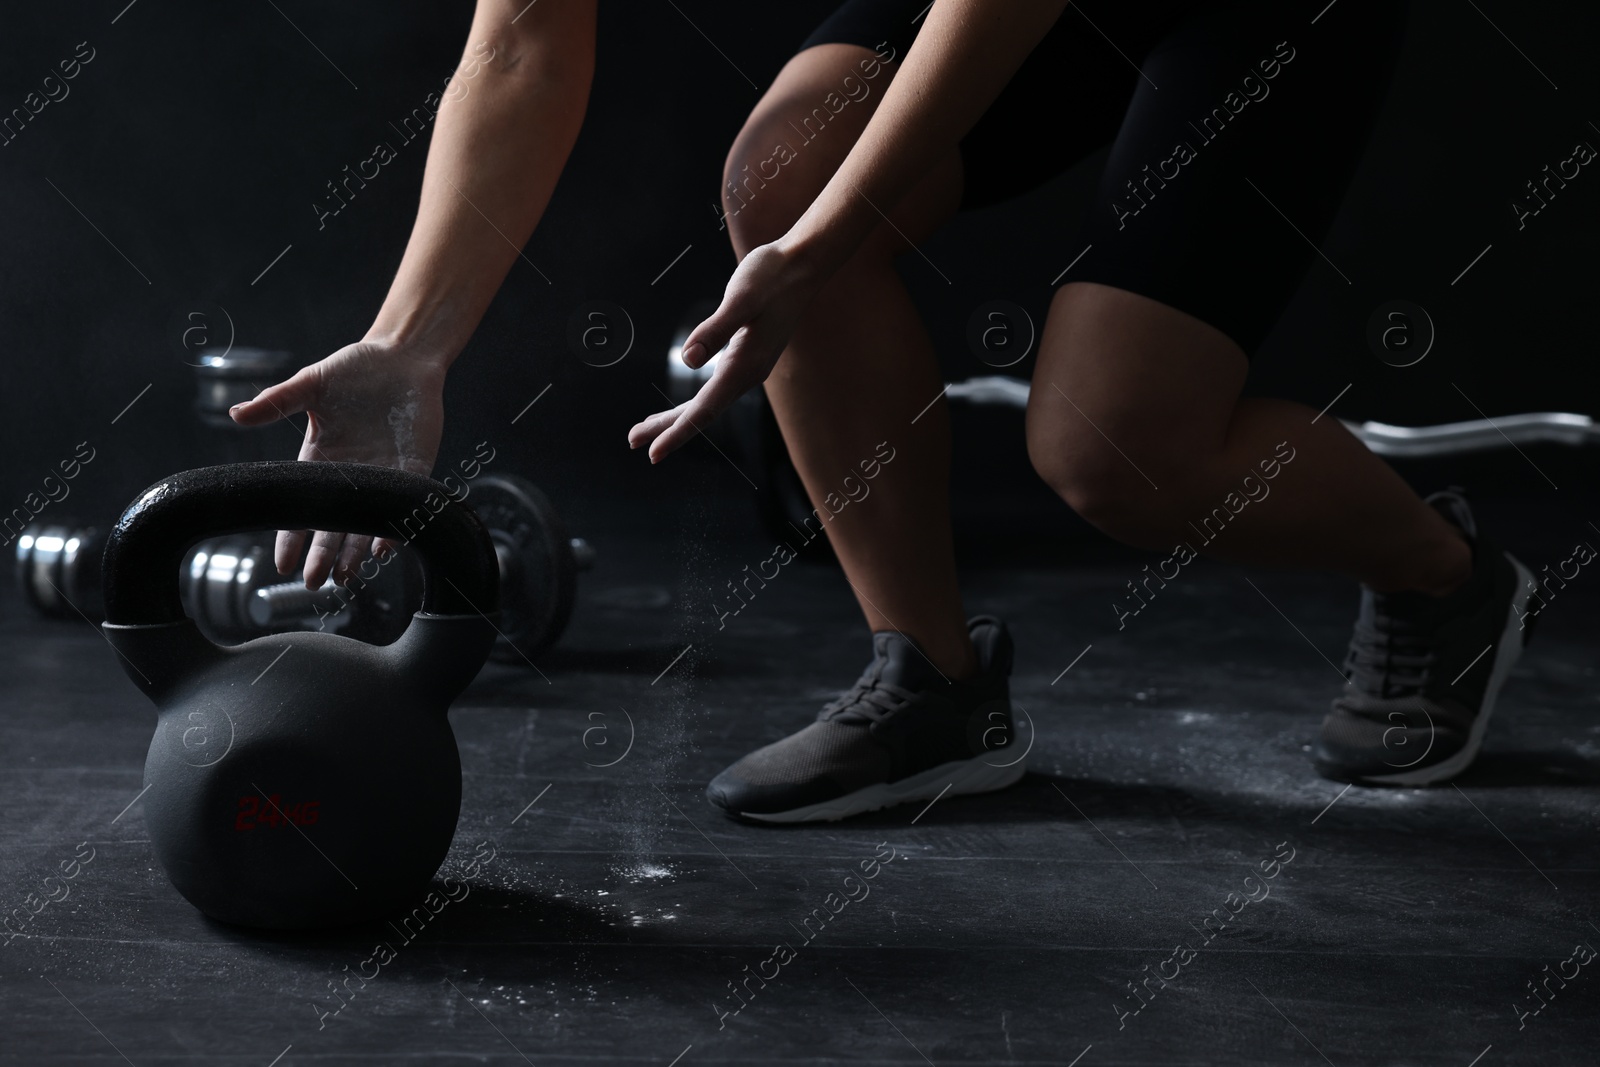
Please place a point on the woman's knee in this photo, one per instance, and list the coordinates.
(1102, 481)
(1130, 409)
(797, 136)
(760, 200)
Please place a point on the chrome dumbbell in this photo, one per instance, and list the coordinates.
(233, 592)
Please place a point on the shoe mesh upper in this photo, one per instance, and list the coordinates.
(901, 717)
(1418, 664)
(843, 751)
(1395, 733)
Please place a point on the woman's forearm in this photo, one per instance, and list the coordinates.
(503, 133)
(964, 55)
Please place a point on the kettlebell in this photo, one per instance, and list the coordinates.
(300, 780)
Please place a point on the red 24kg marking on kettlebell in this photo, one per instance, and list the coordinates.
(252, 814)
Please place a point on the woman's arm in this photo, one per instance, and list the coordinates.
(498, 149)
(965, 54)
(507, 123)
(962, 58)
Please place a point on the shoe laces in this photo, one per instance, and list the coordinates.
(870, 698)
(1391, 653)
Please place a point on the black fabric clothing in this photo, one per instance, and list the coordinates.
(1235, 127)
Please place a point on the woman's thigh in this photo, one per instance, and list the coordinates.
(1229, 167)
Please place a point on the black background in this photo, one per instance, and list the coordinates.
(197, 141)
(201, 134)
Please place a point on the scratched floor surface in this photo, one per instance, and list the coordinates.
(616, 918)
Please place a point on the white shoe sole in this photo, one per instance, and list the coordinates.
(1505, 657)
(958, 778)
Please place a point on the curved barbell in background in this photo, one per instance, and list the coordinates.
(1404, 442)
(1407, 442)
(1476, 435)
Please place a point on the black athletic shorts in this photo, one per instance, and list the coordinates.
(1234, 129)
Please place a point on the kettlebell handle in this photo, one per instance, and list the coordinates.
(146, 547)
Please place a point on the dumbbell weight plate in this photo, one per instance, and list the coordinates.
(233, 375)
(218, 580)
(58, 569)
(538, 572)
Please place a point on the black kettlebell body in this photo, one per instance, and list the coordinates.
(303, 779)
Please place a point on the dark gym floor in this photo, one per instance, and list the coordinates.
(1170, 764)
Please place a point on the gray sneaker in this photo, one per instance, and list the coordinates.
(1425, 671)
(903, 732)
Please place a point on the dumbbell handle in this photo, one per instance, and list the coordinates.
(278, 605)
(288, 602)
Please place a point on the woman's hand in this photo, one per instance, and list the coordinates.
(370, 402)
(759, 312)
(963, 57)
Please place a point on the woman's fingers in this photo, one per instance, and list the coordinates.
(321, 557)
(757, 283)
(286, 551)
(279, 401)
(749, 329)
(351, 401)
(709, 338)
(648, 430)
(328, 555)
(351, 556)
(728, 384)
(288, 397)
(682, 430)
